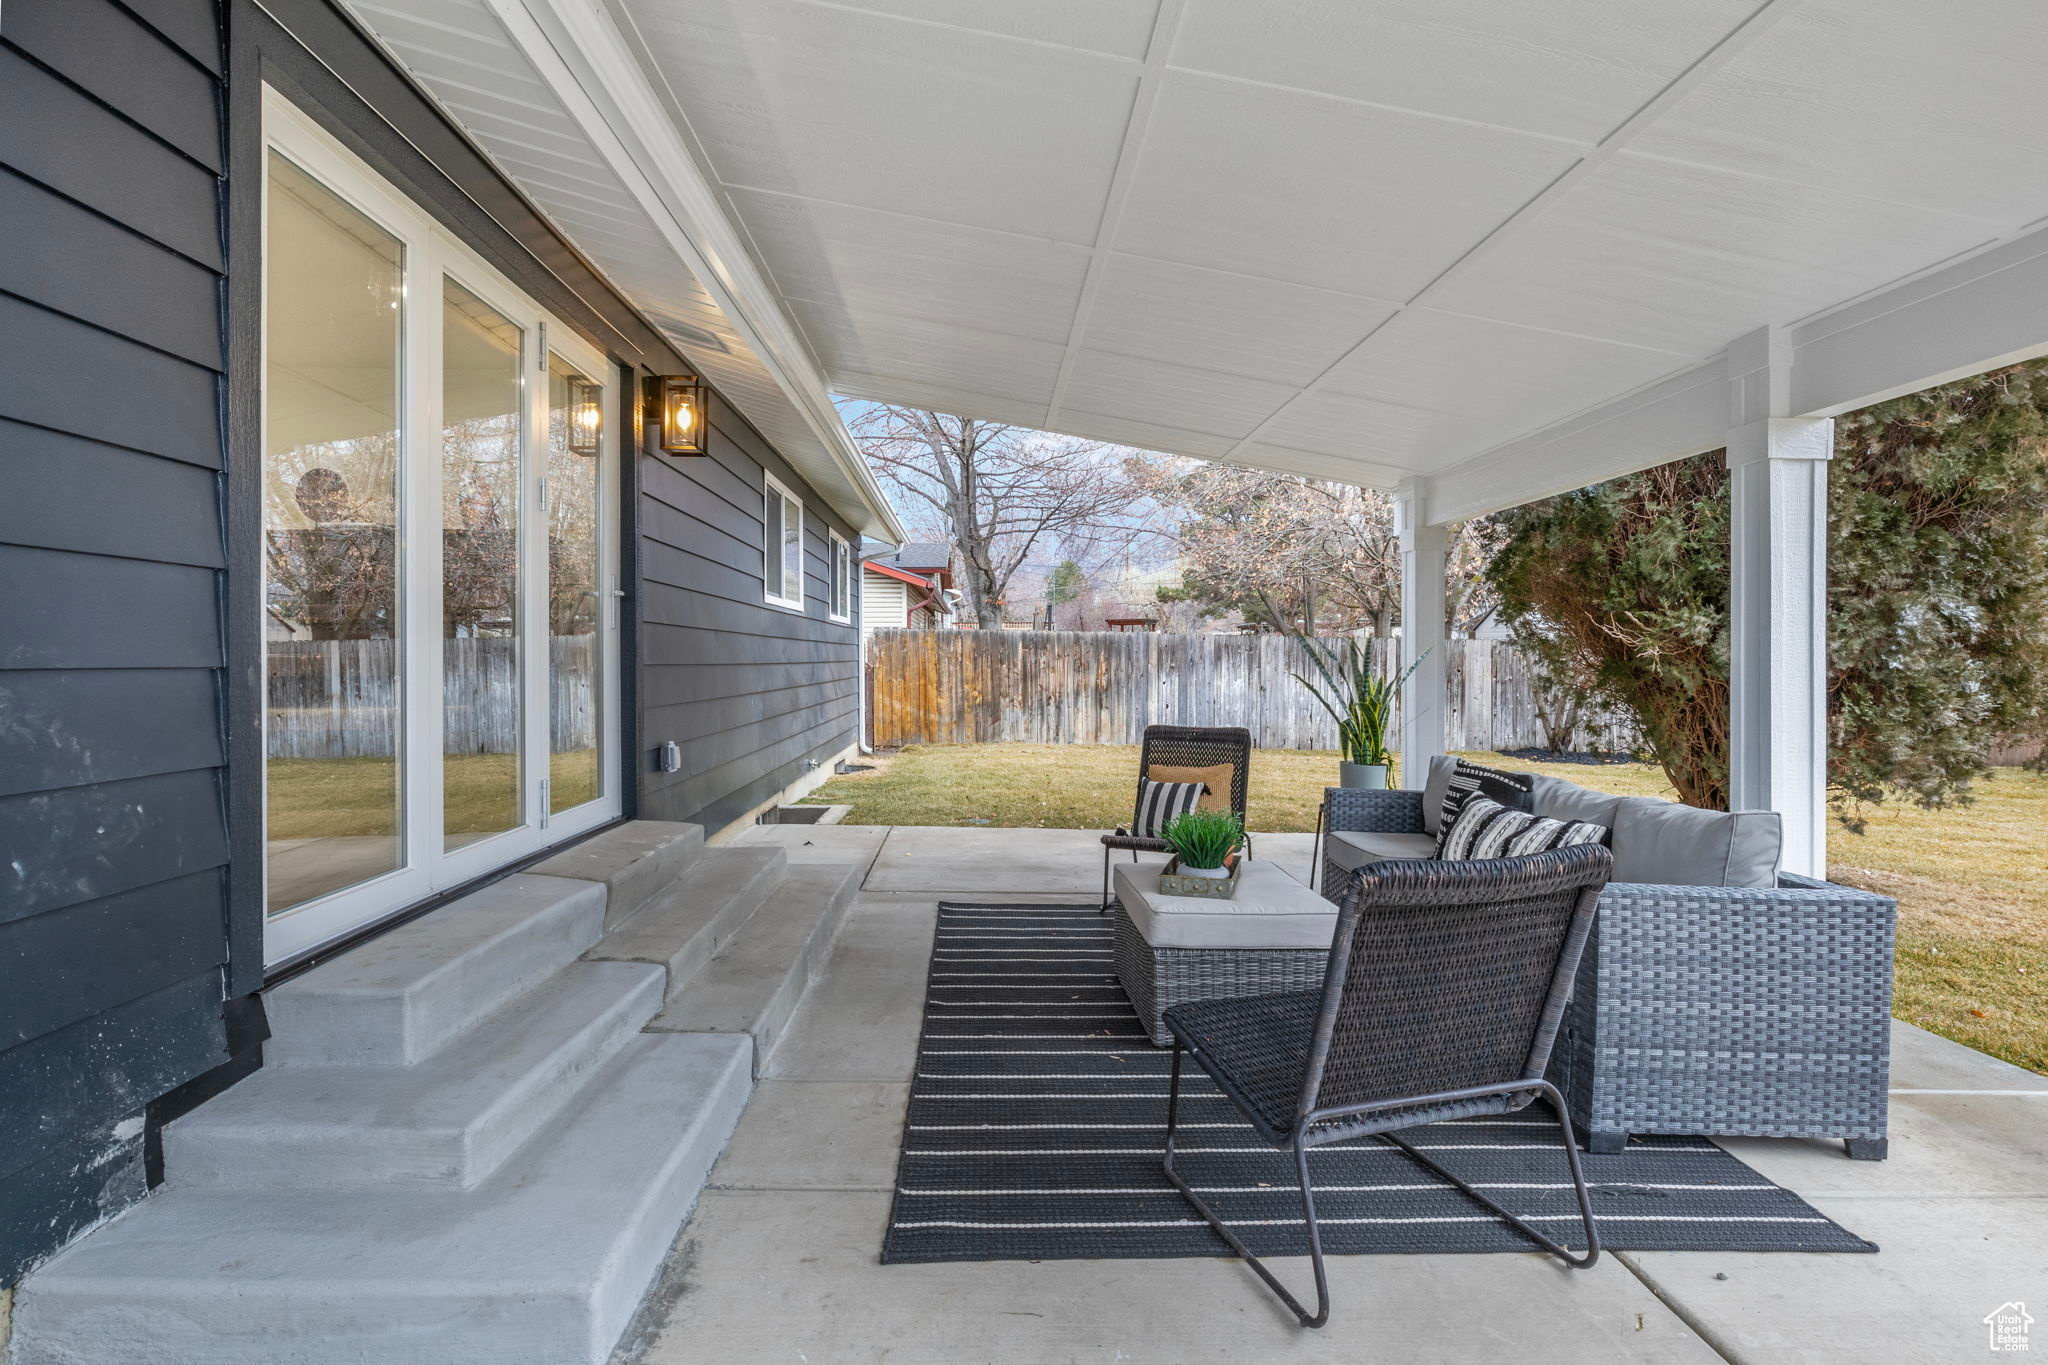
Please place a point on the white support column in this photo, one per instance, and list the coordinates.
(1422, 631)
(1778, 475)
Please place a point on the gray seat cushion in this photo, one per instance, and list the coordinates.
(1664, 843)
(1270, 910)
(1351, 849)
(1556, 799)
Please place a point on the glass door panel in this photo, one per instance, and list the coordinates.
(334, 297)
(576, 602)
(481, 674)
(440, 633)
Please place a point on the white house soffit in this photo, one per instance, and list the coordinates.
(1371, 241)
(800, 113)
(504, 78)
(1604, 151)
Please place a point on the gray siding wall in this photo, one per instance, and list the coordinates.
(130, 863)
(113, 840)
(748, 690)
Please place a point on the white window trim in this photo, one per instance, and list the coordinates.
(840, 580)
(771, 554)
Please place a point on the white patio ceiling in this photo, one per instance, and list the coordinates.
(1499, 244)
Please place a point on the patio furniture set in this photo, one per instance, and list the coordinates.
(1650, 972)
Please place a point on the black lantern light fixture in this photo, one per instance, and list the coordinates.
(586, 416)
(675, 413)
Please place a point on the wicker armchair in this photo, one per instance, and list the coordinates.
(1712, 1010)
(1180, 746)
(1446, 985)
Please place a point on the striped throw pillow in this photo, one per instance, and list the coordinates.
(1512, 790)
(1487, 829)
(1160, 802)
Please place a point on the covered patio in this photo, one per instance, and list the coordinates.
(1473, 253)
(779, 1260)
(1472, 256)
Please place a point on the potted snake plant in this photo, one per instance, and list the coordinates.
(1361, 701)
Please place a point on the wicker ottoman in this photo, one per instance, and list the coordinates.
(1274, 936)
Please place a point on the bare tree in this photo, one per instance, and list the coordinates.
(1296, 553)
(1000, 493)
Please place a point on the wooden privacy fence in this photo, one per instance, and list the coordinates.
(1105, 687)
(338, 698)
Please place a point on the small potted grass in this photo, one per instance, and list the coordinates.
(1204, 844)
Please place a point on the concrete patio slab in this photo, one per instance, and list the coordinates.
(1941, 1145)
(859, 1021)
(1944, 1264)
(967, 862)
(962, 862)
(855, 844)
(794, 1275)
(816, 1135)
(1928, 1061)
(781, 1261)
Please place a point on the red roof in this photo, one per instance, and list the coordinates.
(931, 589)
(899, 575)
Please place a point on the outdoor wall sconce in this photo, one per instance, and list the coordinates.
(586, 416)
(675, 413)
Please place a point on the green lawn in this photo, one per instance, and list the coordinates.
(1971, 882)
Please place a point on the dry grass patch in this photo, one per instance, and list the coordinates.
(1053, 786)
(1971, 882)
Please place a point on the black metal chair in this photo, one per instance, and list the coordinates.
(1181, 746)
(1446, 986)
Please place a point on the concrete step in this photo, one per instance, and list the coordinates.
(450, 1122)
(542, 1264)
(400, 998)
(681, 927)
(636, 861)
(755, 982)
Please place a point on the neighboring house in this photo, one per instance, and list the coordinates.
(342, 573)
(926, 559)
(908, 588)
(897, 599)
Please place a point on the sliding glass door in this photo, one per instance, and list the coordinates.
(440, 620)
(580, 596)
(482, 450)
(333, 386)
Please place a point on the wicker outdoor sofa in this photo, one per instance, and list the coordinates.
(1745, 1010)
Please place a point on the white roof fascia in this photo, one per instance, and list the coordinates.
(584, 60)
(1963, 318)
(1683, 414)
(1945, 324)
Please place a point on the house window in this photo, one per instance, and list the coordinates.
(842, 578)
(782, 549)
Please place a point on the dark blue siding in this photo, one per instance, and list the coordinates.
(748, 690)
(113, 839)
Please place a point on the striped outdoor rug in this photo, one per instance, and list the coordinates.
(1039, 1108)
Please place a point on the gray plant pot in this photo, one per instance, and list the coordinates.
(1363, 776)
